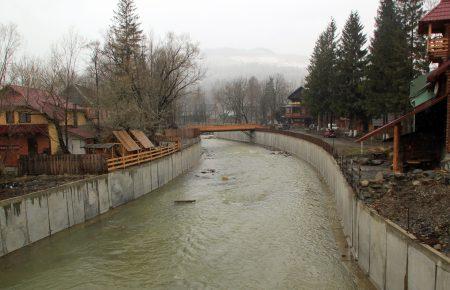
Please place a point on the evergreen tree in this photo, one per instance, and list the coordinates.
(126, 61)
(351, 69)
(322, 75)
(389, 69)
(125, 36)
(267, 100)
(411, 11)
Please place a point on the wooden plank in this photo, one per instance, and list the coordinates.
(127, 142)
(142, 139)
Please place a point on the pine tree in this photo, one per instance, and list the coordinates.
(267, 100)
(126, 59)
(411, 11)
(124, 45)
(321, 81)
(351, 69)
(389, 69)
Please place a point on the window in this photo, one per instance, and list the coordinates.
(24, 117)
(10, 117)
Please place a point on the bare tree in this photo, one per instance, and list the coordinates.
(27, 72)
(254, 93)
(94, 70)
(144, 97)
(221, 102)
(9, 43)
(192, 108)
(282, 89)
(58, 73)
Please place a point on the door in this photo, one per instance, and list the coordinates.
(32, 146)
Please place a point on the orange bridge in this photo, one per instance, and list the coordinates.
(226, 128)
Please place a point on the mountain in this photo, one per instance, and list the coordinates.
(228, 63)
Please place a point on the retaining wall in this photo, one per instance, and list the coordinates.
(29, 218)
(392, 258)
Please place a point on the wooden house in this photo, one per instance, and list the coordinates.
(429, 143)
(28, 119)
(295, 112)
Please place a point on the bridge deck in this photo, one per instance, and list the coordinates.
(226, 128)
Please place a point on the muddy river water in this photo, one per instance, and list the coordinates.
(262, 220)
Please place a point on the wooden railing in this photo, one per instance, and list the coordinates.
(295, 115)
(141, 157)
(438, 49)
(226, 127)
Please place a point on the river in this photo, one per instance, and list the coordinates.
(262, 220)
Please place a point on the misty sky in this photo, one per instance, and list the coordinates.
(284, 26)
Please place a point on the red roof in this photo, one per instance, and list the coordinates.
(437, 16)
(23, 129)
(80, 132)
(51, 105)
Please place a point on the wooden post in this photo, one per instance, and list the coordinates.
(396, 166)
(430, 32)
(448, 122)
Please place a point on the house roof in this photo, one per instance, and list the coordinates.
(296, 95)
(33, 129)
(81, 132)
(437, 16)
(39, 100)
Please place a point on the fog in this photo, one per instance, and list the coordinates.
(236, 36)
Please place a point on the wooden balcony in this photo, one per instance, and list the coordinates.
(438, 49)
(294, 116)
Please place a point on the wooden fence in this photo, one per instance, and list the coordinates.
(141, 157)
(62, 164)
(93, 163)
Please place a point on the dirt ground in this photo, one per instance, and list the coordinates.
(17, 186)
(418, 202)
(421, 206)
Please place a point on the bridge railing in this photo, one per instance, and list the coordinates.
(226, 127)
(325, 145)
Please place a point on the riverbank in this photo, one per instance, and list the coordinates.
(34, 216)
(17, 186)
(391, 257)
(417, 201)
(261, 227)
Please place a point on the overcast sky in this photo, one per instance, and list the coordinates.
(283, 26)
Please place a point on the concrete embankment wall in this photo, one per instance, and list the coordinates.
(29, 218)
(392, 258)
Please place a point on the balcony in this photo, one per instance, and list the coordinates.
(294, 116)
(438, 49)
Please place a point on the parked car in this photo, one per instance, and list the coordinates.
(329, 133)
(286, 126)
(282, 126)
